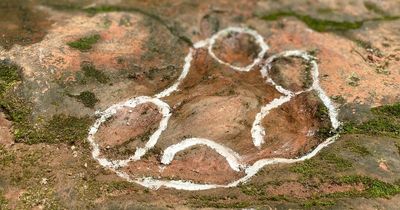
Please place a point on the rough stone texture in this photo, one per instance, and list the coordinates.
(141, 50)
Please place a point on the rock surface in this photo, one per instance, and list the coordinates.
(74, 59)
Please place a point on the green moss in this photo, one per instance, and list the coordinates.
(321, 166)
(90, 71)
(44, 197)
(322, 112)
(339, 162)
(102, 9)
(339, 99)
(156, 45)
(329, 25)
(307, 168)
(218, 202)
(374, 187)
(59, 129)
(6, 157)
(8, 72)
(316, 24)
(353, 80)
(385, 120)
(279, 198)
(363, 44)
(66, 129)
(119, 186)
(31, 158)
(85, 44)
(17, 111)
(253, 190)
(88, 191)
(87, 98)
(3, 201)
(8, 76)
(358, 149)
(307, 78)
(324, 132)
(388, 110)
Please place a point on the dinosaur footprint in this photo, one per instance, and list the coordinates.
(232, 113)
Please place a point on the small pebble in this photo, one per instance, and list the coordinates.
(44, 181)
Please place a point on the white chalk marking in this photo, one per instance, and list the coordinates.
(259, 40)
(233, 159)
(163, 109)
(174, 87)
(333, 114)
(257, 130)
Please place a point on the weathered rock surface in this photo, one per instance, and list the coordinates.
(138, 49)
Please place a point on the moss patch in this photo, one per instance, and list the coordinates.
(306, 74)
(9, 75)
(66, 129)
(16, 109)
(388, 110)
(363, 44)
(358, 149)
(314, 23)
(385, 120)
(321, 25)
(353, 80)
(321, 166)
(87, 98)
(85, 44)
(43, 197)
(59, 129)
(90, 71)
(6, 157)
(374, 187)
(3, 201)
(218, 202)
(252, 189)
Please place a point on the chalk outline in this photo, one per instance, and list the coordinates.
(232, 157)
